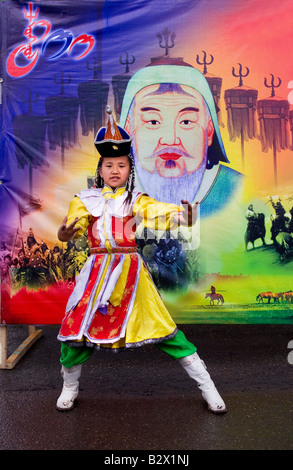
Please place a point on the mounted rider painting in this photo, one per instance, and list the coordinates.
(214, 297)
(255, 227)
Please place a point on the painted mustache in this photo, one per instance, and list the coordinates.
(170, 153)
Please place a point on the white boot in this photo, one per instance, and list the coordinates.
(70, 387)
(197, 370)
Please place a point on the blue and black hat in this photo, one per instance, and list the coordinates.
(112, 141)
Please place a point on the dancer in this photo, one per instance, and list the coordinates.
(115, 303)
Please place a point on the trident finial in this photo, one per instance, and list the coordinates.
(272, 85)
(126, 62)
(62, 81)
(96, 67)
(240, 75)
(30, 101)
(204, 63)
(30, 14)
(166, 33)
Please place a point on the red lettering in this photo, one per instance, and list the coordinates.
(44, 24)
(83, 39)
(15, 70)
(30, 54)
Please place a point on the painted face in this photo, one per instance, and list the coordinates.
(115, 171)
(171, 131)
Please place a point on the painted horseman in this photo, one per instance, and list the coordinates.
(255, 227)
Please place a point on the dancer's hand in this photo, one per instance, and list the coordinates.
(67, 232)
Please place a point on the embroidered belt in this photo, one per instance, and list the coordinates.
(121, 249)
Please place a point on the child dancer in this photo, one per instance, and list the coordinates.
(115, 303)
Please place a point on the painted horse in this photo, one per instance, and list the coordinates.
(255, 229)
(267, 295)
(215, 298)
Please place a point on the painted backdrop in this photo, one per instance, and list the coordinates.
(205, 88)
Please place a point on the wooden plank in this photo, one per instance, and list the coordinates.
(3, 346)
(9, 363)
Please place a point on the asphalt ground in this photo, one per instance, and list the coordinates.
(141, 400)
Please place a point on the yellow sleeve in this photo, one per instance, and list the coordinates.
(155, 215)
(78, 209)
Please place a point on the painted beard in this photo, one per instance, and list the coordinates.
(169, 189)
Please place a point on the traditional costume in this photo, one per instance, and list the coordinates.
(115, 303)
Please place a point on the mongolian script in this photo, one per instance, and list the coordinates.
(24, 57)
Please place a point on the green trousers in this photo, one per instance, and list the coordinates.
(176, 347)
